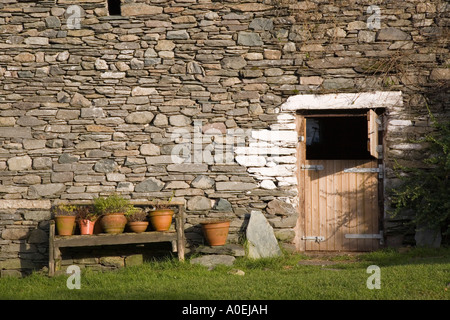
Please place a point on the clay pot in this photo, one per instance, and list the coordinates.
(216, 232)
(138, 226)
(86, 226)
(65, 225)
(113, 222)
(161, 219)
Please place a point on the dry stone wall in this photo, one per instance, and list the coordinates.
(168, 97)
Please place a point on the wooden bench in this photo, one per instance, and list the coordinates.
(176, 237)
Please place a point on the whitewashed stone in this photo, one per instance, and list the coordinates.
(251, 161)
(268, 184)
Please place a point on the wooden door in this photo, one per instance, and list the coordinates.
(339, 208)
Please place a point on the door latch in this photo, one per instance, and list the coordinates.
(317, 239)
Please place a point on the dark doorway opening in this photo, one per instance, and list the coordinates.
(114, 8)
(337, 138)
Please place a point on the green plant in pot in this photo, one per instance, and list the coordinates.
(65, 219)
(161, 215)
(86, 216)
(137, 220)
(112, 210)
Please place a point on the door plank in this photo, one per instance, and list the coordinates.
(360, 194)
(372, 133)
(331, 211)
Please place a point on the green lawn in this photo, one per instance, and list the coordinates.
(416, 274)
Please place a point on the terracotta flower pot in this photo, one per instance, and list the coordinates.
(161, 219)
(65, 225)
(113, 222)
(86, 226)
(138, 226)
(216, 232)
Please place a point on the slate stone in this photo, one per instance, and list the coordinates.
(280, 208)
(261, 24)
(44, 190)
(202, 182)
(235, 186)
(68, 158)
(234, 63)
(177, 35)
(249, 39)
(19, 163)
(38, 236)
(262, 242)
(105, 165)
(149, 185)
(143, 117)
(30, 121)
(390, 34)
(199, 203)
(223, 205)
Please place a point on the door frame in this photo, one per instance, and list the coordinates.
(300, 125)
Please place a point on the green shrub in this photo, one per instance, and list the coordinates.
(111, 204)
(427, 190)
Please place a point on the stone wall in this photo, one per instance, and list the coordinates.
(103, 108)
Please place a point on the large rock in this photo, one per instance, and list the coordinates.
(262, 242)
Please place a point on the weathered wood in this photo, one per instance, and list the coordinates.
(51, 250)
(179, 225)
(104, 239)
(372, 133)
(339, 202)
(176, 237)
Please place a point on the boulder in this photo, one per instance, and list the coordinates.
(262, 242)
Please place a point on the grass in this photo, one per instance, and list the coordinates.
(418, 274)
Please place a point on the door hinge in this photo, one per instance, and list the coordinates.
(378, 170)
(312, 167)
(366, 236)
